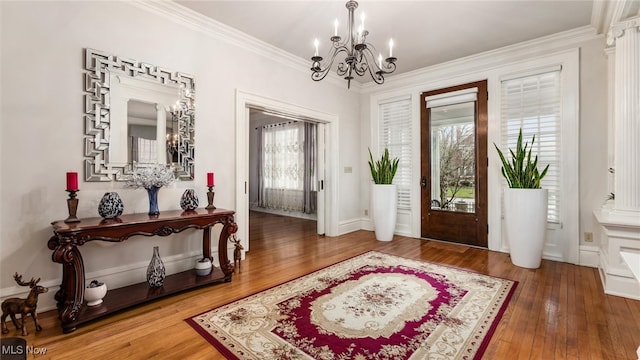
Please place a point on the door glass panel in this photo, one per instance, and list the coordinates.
(453, 175)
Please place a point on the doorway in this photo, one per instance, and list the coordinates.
(327, 221)
(284, 165)
(453, 158)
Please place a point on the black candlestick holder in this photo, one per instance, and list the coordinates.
(210, 195)
(72, 205)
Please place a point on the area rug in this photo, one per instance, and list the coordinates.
(372, 306)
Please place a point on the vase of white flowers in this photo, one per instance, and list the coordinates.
(152, 178)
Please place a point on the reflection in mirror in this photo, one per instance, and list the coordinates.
(146, 123)
(453, 157)
(136, 114)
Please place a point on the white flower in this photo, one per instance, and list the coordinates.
(157, 175)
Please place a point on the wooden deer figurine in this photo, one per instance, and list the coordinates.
(237, 252)
(13, 306)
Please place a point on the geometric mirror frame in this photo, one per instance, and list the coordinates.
(101, 69)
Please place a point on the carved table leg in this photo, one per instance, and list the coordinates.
(71, 293)
(206, 244)
(230, 227)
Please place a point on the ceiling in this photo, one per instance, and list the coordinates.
(424, 32)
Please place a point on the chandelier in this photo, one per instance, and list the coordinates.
(172, 136)
(359, 54)
(184, 106)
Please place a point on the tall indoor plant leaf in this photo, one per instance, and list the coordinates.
(522, 172)
(383, 170)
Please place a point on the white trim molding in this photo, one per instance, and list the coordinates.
(488, 60)
(349, 226)
(182, 15)
(589, 256)
(244, 100)
(620, 232)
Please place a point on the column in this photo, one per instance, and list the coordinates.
(620, 240)
(626, 37)
(161, 133)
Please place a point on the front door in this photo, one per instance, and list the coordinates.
(453, 129)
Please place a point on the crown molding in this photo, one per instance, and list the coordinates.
(184, 16)
(602, 15)
(492, 58)
(625, 10)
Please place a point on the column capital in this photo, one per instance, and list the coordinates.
(618, 29)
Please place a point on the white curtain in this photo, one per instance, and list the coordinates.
(282, 168)
(144, 151)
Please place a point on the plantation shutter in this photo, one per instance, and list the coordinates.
(395, 134)
(533, 102)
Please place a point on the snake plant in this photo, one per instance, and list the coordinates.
(522, 172)
(383, 170)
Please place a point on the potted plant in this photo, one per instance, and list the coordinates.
(525, 205)
(383, 195)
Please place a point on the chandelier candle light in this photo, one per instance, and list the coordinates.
(359, 54)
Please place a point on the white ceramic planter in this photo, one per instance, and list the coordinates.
(94, 295)
(384, 200)
(203, 267)
(525, 217)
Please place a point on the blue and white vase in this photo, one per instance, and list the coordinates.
(110, 205)
(156, 271)
(153, 200)
(189, 200)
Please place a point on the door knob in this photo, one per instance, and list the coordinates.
(423, 182)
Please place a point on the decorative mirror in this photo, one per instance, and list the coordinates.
(136, 114)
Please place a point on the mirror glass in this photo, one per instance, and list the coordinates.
(146, 123)
(136, 114)
(453, 176)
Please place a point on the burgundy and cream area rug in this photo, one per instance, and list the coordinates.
(372, 306)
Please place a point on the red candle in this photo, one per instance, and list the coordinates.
(210, 179)
(72, 181)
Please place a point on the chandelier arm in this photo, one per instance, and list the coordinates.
(356, 62)
(376, 75)
(390, 66)
(369, 59)
(318, 71)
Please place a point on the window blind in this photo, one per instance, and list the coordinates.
(396, 135)
(533, 103)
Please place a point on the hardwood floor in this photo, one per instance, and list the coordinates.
(557, 312)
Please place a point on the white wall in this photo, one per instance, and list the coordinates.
(42, 128)
(592, 161)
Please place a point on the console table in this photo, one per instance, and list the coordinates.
(68, 237)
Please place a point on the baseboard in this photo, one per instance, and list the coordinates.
(349, 226)
(295, 214)
(589, 256)
(366, 224)
(615, 283)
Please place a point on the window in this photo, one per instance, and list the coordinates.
(283, 156)
(395, 134)
(533, 103)
(287, 167)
